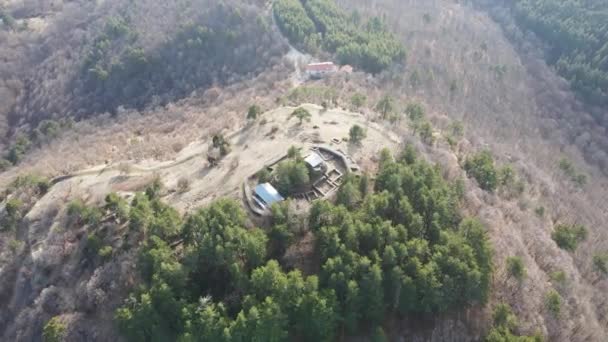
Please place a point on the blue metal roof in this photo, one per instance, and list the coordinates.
(268, 194)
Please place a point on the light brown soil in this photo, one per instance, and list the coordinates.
(253, 146)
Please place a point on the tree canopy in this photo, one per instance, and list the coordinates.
(291, 175)
(481, 167)
(356, 134)
(301, 114)
(321, 25)
(576, 32)
(569, 236)
(223, 43)
(505, 323)
(400, 249)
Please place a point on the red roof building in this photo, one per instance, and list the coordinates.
(321, 69)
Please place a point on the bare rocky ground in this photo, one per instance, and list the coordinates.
(252, 147)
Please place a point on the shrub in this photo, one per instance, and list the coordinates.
(481, 167)
(183, 185)
(453, 86)
(510, 185)
(567, 167)
(43, 185)
(4, 164)
(504, 317)
(558, 277)
(294, 153)
(13, 208)
(301, 114)
(426, 17)
(225, 149)
(358, 100)
(600, 263)
(165, 221)
(18, 149)
(15, 245)
(77, 208)
(177, 147)
(94, 244)
(253, 112)
(386, 106)
(516, 268)
(580, 180)
(540, 211)
(46, 131)
(415, 112)
(31, 181)
(54, 330)
(505, 323)
(569, 170)
(506, 175)
(264, 176)
(325, 106)
(154, 189)
(218, 140)
(415, 79)
(140, 214)
(569, 236)
(553, 302)
(117, 206)
(8, 19)
(80, 213)
(426, 133)
(456, 129)
(105, 253)
(356, 134)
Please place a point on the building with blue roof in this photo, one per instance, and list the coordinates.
(266, 195)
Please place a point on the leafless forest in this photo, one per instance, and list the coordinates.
(466, 62)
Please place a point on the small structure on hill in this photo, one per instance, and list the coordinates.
(320, 70)
(325, 169)
(266, 195)
(315, 162)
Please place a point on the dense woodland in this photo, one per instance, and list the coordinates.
(577, 35)
(315, 25)
(397, 249)
(214, 49)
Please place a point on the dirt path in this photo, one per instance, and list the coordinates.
(298, 58)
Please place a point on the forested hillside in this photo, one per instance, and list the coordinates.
(570, 38)
(577, 36)
(315, 25)
(401, 248)
(220, 46)
(130, 55)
